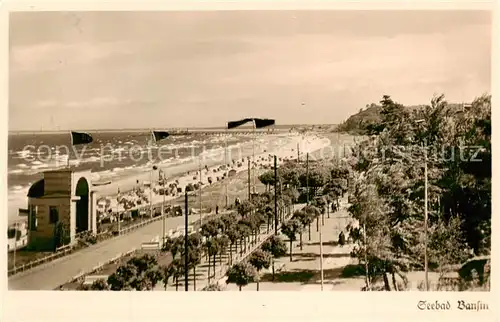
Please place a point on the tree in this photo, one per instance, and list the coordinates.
(290, 173)
(289, 196)
(151, 278)
(267, 179)
(166, 274)
(276, 247)
(244, 232)
(269, 213)
(305, 219)
(320, 203)
(219, 224)
(213, 287)
(447, 245)
(213, 248)
(387, 198)
(234, 235)
(290, 229)
(241, 274)
(229, 220)
(260, 259)
(223, 242)
(315, 179)
(60, 235)
(209, 229)
(175, 270)
(174, 246)
(194, 259)
(139, 273)
(245, 208)
(255, 222)
(99, 285)
(335, 189)
(122, 279)
(312, 212)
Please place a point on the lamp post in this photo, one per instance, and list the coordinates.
(366, 257)
(201, 215)
(426, 268)
(226, 168)
(118, 210)
(275, 195)
(158, 136)
(186, 263)
(249, 183)
(151, 192)
(15, 244)
(321, 256)
(426, 263)
(163, 209)
(307, 178)
(253, 156)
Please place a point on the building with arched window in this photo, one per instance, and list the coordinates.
(60, 206)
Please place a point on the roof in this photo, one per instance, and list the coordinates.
(37, 189)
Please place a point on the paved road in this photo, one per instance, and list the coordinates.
(50, 275)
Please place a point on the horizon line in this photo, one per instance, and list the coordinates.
(158, 128)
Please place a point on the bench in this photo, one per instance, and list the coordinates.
(90, 279)
(280, 267)
(151, 246)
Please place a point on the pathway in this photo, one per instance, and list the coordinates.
(221, 266)
(53, 274)
(303, 273)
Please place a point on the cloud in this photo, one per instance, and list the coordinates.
(51, 56)
(185, 68)
(93, 103)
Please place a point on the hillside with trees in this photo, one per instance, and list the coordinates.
(363, 122)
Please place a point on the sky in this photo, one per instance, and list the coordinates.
(117, 70)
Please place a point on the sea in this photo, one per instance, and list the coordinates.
(111, 155)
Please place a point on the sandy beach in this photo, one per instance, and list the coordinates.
(189, 172)
(283, 145)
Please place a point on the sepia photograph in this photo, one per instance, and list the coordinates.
(250, 150)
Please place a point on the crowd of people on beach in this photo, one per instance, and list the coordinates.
(136, 202)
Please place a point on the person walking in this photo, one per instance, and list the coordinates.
(341, 239)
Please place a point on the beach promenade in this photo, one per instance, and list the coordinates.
(53, 274)
(286, 147)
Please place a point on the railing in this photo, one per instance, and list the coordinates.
(139, 225)
(67, 249)
(99, 266)
(263, 236)
(60, 252)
